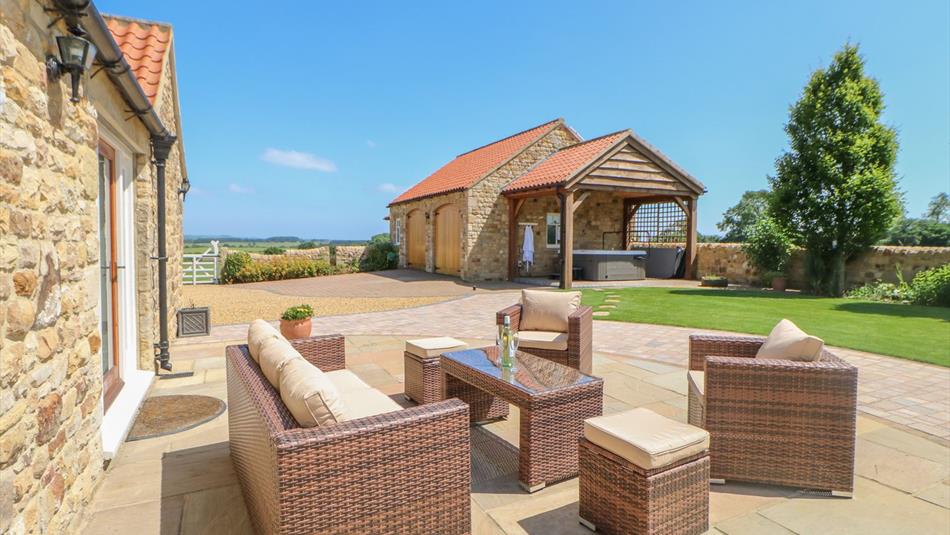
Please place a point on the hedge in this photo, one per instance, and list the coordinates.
(241, 267)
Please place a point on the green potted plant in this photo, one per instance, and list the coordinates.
(769, 250)
(296, 321)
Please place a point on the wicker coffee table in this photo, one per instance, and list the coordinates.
(554, 400)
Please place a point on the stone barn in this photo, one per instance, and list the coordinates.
(615, 199)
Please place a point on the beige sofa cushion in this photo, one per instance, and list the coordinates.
(345, 380)
(257, 333)
(366, 402)
(542, 340)
(546, 310)
(309, 394)
(788, 342)
(433, 347)
(645, 438)
(275, 352)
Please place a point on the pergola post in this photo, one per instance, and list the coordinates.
(691, 265)
(567, 239)
(512, 238)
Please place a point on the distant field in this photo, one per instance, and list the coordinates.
(255, 246)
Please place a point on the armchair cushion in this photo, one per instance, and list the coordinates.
(368, 402)
(788, 342)
(257, 334)
(274, 355)
(542, 340)
(547, 310)
(697, 382)
(309, 394)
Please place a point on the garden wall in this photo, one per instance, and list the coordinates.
(879, 263)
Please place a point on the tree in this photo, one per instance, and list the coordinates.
(939, 209)
(737, 221)
(835, 192)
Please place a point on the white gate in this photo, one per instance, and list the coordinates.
(202, 268)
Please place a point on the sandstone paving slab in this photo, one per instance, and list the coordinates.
(875, 509)
(895, 468)
(213, 511)
(908, 443)
(735, 499)
(675, 381)
(156, 517)
(633, 391)
(752, 524)
(938, 494)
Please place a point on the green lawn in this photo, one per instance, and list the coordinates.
(908, 331)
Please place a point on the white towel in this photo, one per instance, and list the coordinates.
(527, 249)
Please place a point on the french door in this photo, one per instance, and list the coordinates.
(109, 275)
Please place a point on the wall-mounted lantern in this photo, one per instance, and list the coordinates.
(184, 188)
(75, 57)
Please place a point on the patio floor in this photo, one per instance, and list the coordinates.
(184, 483)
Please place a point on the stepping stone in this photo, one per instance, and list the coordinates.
(607, 306)
(611, 300)
(614, 295)
(601, 313)
(597, 289)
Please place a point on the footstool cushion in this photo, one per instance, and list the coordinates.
(423, 377)
(640, 472)
(433, 347)
(645, 438)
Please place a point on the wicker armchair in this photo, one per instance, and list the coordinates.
(779, 422)
(401, 472)
(580, 338)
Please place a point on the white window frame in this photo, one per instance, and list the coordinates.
(556, 219)
(397, 233)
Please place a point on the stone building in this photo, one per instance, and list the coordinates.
(80, 171)
(469, 218)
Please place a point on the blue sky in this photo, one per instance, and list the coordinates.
(307, 118)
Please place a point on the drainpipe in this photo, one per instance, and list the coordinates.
(83, 14)
(161, 146)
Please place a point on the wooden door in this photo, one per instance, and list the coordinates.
(447, 231)
(109, 275)
(416, 240)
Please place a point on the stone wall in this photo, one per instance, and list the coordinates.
(879, 263)
(50, 347)
(597, 225)
(485, 245)
(428, 205)
(348, 254)
(50, 373)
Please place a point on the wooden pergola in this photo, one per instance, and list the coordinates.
(624, 165)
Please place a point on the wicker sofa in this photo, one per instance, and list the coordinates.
(770, 421)
(406, 471)
(580, 338)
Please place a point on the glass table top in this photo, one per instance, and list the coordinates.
(530, 373)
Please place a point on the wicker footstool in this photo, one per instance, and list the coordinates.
(644, 473)
(423, 378)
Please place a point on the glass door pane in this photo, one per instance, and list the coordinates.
(105, 263)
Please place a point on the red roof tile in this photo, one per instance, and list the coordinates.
(564, 163)
(144, 45)
(468, 168)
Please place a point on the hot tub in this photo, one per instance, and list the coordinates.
(611, 265)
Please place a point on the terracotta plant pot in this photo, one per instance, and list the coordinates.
(779, 284)
(295, 329)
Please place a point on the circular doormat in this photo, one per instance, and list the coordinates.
(165, 415)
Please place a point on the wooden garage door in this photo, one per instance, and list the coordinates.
(416, 239)
(447, 230)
